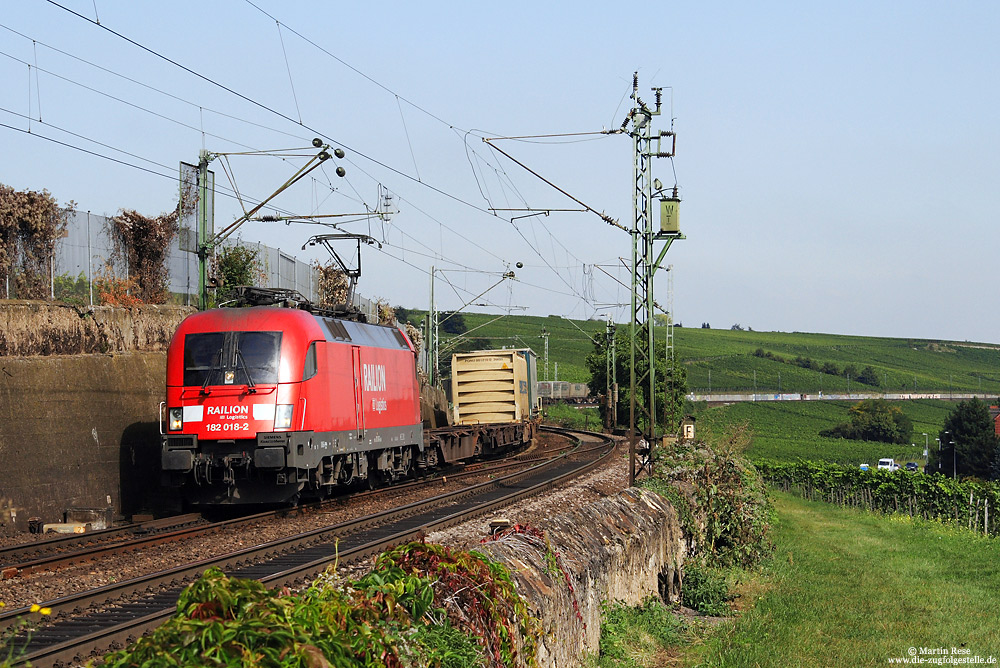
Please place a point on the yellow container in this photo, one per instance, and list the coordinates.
(490, 386)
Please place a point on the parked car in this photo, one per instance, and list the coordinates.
(864, 467)
(887, 464)
(912, 467)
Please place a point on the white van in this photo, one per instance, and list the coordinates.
(887, 464)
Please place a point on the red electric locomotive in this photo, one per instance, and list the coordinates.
(270, 405)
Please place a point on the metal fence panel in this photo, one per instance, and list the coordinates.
(86, 251)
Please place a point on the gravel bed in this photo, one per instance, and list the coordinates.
(607, 480)
(40, 587)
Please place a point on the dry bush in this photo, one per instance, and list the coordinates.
(332, 286)
(30, 223)
(386, 314)
(142, 243)
(114, 291)
(415, 335)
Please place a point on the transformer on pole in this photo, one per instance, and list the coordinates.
(645, 261)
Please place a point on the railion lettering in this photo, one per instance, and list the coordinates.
(227, 410)
(373, 377)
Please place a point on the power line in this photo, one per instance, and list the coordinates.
(267, 108)
(303, 125)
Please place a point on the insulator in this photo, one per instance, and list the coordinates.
(341, 171)
(268, 219)
(317, 142)
(323, 155)
(339, 152)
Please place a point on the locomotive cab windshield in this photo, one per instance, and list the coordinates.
(228, 358)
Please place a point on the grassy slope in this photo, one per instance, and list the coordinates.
(931, 585)
(790, 430)
(569, 344)
(901, 364)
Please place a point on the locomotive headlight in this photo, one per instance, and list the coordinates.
(283, 416)
(176, 419)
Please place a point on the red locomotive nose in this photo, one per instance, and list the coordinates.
(269, 404)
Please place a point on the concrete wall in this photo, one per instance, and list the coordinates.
(623, 548)
(76, 426)
(76, 431)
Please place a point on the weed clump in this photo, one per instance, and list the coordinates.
(720, 497)
(421, 605)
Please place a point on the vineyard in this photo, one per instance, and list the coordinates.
(721, 360)
(790, 430)
(969, 502)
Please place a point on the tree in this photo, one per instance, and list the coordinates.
(402, 314)
(968, 442)
(868, 376)
(452, 322)
(874, 420)
(234, 266)
(671, 384)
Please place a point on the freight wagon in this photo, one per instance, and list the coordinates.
(552, 391)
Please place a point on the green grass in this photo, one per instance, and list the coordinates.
(637, 636)
(849, 588)
(790, 430)
(573, 417)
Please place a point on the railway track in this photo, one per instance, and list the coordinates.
(18, 556)
(66, 550)
(93, 622)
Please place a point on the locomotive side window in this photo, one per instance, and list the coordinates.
(309, 370)
(217, 358)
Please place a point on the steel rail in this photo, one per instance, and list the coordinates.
(14, 555)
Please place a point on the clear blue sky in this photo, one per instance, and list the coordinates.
(838, 162)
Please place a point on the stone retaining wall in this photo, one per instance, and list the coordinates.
(79, 428)
(624, 548)
(29, 328)
(79, 431)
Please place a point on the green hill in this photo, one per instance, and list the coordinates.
(728, 361)
(724, 360)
